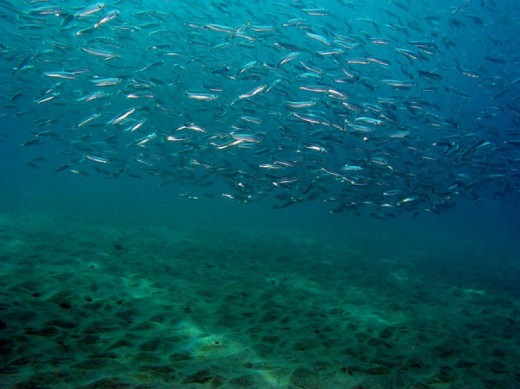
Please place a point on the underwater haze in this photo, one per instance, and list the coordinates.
(259, 194)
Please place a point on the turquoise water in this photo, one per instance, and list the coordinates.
(210, 222)
(107, 293)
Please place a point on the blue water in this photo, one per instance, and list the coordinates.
(403, 166)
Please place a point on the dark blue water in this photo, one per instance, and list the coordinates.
(354, 164)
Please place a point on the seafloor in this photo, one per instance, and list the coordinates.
(101, 305)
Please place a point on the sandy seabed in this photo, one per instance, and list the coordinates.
(112, 306)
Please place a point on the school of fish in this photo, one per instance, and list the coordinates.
(378, 105)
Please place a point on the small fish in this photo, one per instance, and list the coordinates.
(109, 81)
(107, 18)
(93, 96)
(319, 38)
(246, 67)
(90, 10)
(351, 168)
(59, 74)
(99, 53)
(429, 75)
(377, 112)
(87, 120)
(300, 104)
(253, 92)
(118, 119)
(97, 159)
(368, 120)
(288, 58)
(201, 96)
